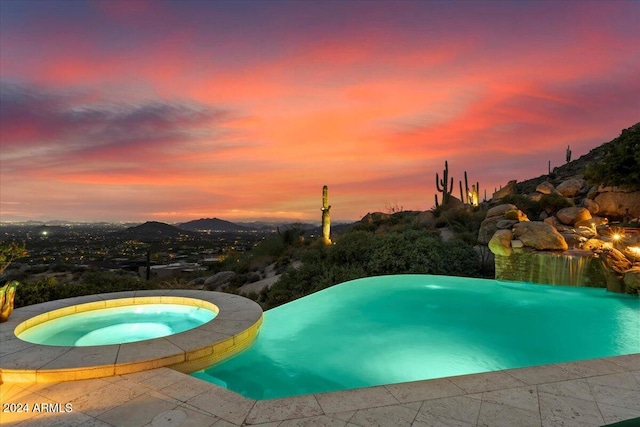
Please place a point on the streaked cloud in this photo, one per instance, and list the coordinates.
(166, 109)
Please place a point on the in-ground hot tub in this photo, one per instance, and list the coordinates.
(121, 321)
(235, 326)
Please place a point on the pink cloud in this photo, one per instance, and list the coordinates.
(183, 111)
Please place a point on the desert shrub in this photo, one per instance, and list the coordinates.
(530, 207)
(355, 247)
(48, 289)
(404, 253)
(460, 259)
(271, 246)
(360, 254)
(552, 203)
(91, 282)
(112, 281)
(464, 222)
(252, 295)
(37, 269)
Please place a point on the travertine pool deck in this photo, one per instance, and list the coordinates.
(585, 393)
(581, 394)
(234, 328)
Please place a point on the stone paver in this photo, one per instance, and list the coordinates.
(349, 400)
(163, 397)
(394, 415)
(284, 409)
(459, 408)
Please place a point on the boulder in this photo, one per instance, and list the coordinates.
(517, 244)
(507, 190)
(500, 243)
(571, 187)
(426, 219)
(374, 217)
(552, 221)
(545, 188)
(632, 252)
(198, 281)
(516, 214)
(632, 240)
(594, 245)
(219, 279)
(539, 235)
(535, 197)
(506, 224)
(606, 188)
(586, 232)
(591, 205)
(574, 241)
(614, 204)
(500, 210)
(593, 222)
(569, 216)
(564, 229)
(488, 227)
(454, 202)
(615, 260)
(632, 280)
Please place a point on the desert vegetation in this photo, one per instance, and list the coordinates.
(358, 254)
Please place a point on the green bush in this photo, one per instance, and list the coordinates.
(92, 282)
(552, 203)
(464, 222)
(47, 290)
(271, 246)
(530, 207)
(359, 254)
(355, 247)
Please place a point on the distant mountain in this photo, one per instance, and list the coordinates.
(152, 231)
(212, 224)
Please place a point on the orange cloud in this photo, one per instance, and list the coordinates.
(169, 112)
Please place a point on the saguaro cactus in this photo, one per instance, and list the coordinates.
(470, 194)
(568, 153)
(326, 218)
(473, 195)
(443, 185)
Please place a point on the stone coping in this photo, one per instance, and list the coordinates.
(233, 329)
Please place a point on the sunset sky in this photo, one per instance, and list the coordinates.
(177, 110)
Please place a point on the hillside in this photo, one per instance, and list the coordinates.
(212, 224)
(578, 168)
(152, 231)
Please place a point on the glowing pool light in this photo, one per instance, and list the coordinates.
(117, 325)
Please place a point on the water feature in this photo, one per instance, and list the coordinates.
(569, 268)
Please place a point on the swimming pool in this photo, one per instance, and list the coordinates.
(392, 329)
(114, 325)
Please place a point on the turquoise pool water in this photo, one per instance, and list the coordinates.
(118, 325)
(393, 329)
